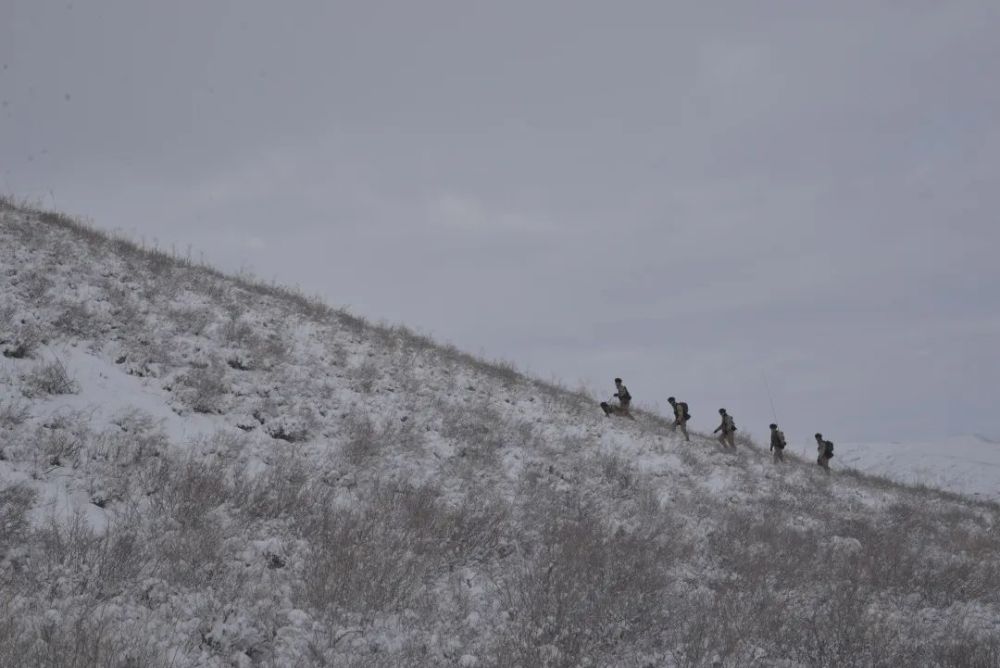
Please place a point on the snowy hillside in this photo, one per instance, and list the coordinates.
(199, 470)
(964, 465)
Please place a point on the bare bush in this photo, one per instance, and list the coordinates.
(76, 319)
(204, 389)
(365, 375)
(617, 473)
(84, 634)
(22, 342)
(192, 320)
(364, 439)
(13, 414)
(378, 557)
(138, 435)
(32, 284)
(48, 378)
(479, 431)
(277, 492)
(238, 332)
(61, 446)
(190, 534)
(584, 594)
(15, 502)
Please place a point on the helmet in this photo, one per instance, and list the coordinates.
(722, 411)
(618, 380)
(773, 426)
(670, 400)
(819, 435)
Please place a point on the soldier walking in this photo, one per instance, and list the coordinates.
(726, 430)
(777, 443)
(681, 416)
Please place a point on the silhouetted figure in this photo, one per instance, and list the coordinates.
(777, 443)
(681, 416)
(624, 401)
(824, 450)
(726, 430)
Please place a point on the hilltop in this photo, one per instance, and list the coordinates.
(203, 470)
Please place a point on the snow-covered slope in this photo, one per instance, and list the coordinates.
(964, 465)
(197, 470)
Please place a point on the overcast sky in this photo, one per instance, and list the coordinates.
(690, 195)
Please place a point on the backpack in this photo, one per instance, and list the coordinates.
(730, 423)
(781, 438)
(684, 410)
(624, 395)
(828, 449)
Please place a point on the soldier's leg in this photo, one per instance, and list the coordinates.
(731, 439)
(684, 430)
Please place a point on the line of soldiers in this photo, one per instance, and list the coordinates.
(726, 429)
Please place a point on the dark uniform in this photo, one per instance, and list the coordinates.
(777, 443)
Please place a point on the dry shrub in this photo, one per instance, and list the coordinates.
(22, 341)
(583, 594)
(192, 320)
(32, 285)
(479, 431)
(189, 531)
(364, 439)
(238, 332)
(204, 389)
(78, 634)
(15, 502)
(378, 557)
(279, 491)
(13, 414)
(62, 445)
(364, 376)
(84, 560)
(48, 378)
(76, 319)
(138, 436)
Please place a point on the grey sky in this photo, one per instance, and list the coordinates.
(688, 195)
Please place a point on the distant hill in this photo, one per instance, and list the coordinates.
(965, 465)
(202, 470)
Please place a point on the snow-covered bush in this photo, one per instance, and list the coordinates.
(61, 446)
(238, 332)
(77, 319)
(192, 320)
(203, 389)
(278, 491)
(365, 375)
(51, 377)
(361, 437)
(15, 502)
(32, 284)
(190, 532)
(582, 589)
(376, 558)
(13, 414)
(21, 340)
(135, 436)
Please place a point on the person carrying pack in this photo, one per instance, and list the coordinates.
(824, 450)
(777, 443)
(624, 401)
(727, 429)
(681, 416)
